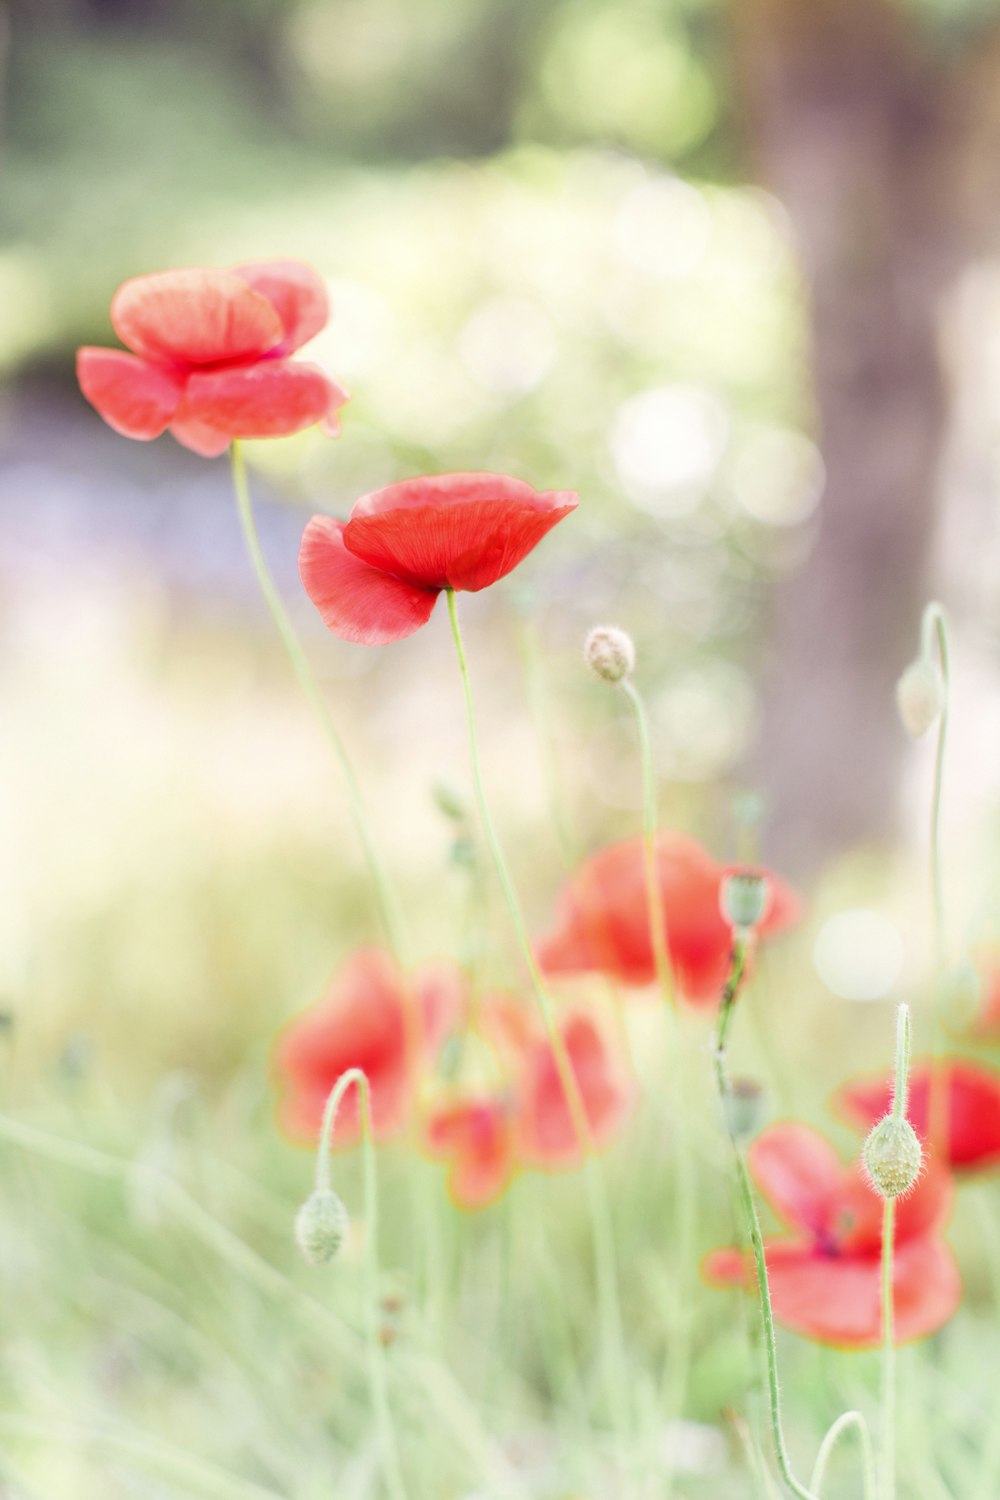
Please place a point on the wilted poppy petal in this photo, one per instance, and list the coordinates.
(973, 1109)
(548, 1132)
(360, 1023)
(207, 441)
(135, 398)
(835, 1300)
(296, 291)
(357, 603)
(477, 1137)
(194, 317)
(270, 399)
(799, 1173)
(461, 531)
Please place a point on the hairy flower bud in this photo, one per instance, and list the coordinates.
(609, 653)
(744, 1108)
(920, 696)
(892, 1157)
(743, 899)
(320, 1226)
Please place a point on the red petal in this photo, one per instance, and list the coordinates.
(461, 531)
(973, 1110)
(134, 398)
(357, 603)
(478, 1137)
(194, 317)
(548, 1134)
(360, 1023)
(799, 1173)
(270, 399)
(918, 1213)
(838, 1300)
(207, 441)
(603, 922)
(296, 292)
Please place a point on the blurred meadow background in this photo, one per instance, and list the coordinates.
(730, 272)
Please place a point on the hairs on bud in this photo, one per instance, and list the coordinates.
(609, 653)
(893, 1157)
(320, 1226)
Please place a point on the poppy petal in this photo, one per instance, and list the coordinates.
(548, 1133)
(460, 531)
(194, 317)
(838, 1300)
(973, 1122)
(296, 292)
(799, 1173)
(206, 441)
(135, 398)
(271, 399)
(357, 603)
(477, 1136)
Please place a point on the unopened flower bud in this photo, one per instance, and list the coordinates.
(743, 899)
(448, 801)
(744, 1108)
(920, 696)
(892, 1157)
(320, 1226)
(609, 653)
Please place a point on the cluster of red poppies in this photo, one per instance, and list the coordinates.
(475, 1077)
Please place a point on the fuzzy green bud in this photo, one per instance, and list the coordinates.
(609, 653)
(920, 696)
(744, 1108)
(892, 1157)
(320, 1226)
(743, 899)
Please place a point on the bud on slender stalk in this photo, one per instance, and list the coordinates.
(609, 653)
(743, 899)
(920, 696)
(320, 1226)
(892, 1156)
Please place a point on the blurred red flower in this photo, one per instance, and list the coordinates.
(973, 1109)
(362, 1022)
(375, 578)
(209, 358)
(487, 1134)
(825, 1279)
(602, 918)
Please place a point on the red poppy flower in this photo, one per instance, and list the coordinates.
(477, 1135)
(973, 1112)
(486, 1135)
(209, 358)
(375, 578)
(602, 921)
(362, 1023)
(826, 1279)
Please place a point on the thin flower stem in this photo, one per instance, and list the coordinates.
(377, 1371)
(609, 1310)
(388, 906)
(849, 1421)
(888, 1356)
(683, 1159)
(934, 641)
(730, 992)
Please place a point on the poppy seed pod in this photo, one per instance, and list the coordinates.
(320, 1226)
(743, 898)
(609, 653)
(892, 1156)
(920, 696)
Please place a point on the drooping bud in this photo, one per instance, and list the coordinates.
(892, 1157)
(920, 696)
(609, 653)
(743, 899)
(320, 1226)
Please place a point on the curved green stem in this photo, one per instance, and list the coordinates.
(849, 1421)
(303, 671)
(730, 991)
(377, 1372)
(609, 1310)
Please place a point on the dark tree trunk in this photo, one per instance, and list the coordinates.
(867, 142)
